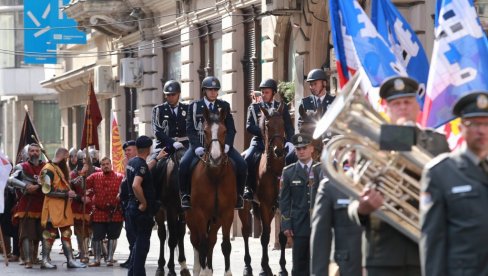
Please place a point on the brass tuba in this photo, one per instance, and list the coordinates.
(395, 174)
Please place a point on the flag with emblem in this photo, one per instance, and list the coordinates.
(5, 169)
(93, 117)
(28, 135)
(359, 46)
(406, 46)
(117, 151)
(459, 60)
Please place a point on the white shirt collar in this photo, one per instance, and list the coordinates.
(309, 164)
(207, 102)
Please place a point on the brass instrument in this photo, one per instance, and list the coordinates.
(395, 174)
(45, 181)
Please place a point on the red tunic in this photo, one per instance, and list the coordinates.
(77, 205)
(30, 203)
(105, 187)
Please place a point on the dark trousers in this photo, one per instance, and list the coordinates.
(142, 224)
(129, 232)
(408, 270)
(252, 161)
(185, 170)
(301, 256)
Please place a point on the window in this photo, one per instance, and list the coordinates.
(210, 50)
(217, 57)
(47, 120)
(7, 43)
(172, 59)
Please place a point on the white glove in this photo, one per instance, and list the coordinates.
(178, 145)
(199, 151)
(226, 148)
(290, 147)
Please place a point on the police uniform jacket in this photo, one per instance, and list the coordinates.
(295, 199)
(386, 246)
(194, 122)
(166, 126)
(453, 217)
(310, 104)
(253, 116)
(330, 215)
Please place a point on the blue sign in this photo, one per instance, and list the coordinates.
(46, 25)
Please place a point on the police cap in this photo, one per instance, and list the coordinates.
(211, 83)
(398, 87)
(171, 87)
(143, 142)
(128, 144)
(301, 140)
(316, 74)
(472, 105)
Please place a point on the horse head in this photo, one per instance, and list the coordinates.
(215, 132)
(273, 130)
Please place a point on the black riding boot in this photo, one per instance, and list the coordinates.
(250, 187)
(241, 180)
(185, 191)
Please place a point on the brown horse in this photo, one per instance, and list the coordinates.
(213, 197)
(270, 168)
(166, 175)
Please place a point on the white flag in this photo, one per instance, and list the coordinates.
(5, 169)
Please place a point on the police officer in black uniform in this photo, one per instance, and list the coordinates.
(194, 130)
(388, 252)
(169, 119)
(454, 198)
(142, 202)
(253, 153)
(129, 150)
(296, 202)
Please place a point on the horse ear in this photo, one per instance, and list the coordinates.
(223, 114)
(302, 112)
(206, 113)
(264, 111)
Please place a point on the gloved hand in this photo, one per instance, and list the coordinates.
(226, 148)
(178, 145)
(199, 151)
(290, 147)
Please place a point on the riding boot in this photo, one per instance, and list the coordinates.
(112, 244)
(68, 252)
(46, 252)
(97, 252)
(26, 247)
(185, 191)
(240, 190)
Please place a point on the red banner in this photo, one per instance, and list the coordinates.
(93, 117)
(117, 151)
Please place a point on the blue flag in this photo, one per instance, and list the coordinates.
(459, 60)
(403, 41)
(373, 53)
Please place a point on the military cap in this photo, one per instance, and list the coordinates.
(398, 87)
(143, 142)
(301, 140)
(128, 144)
(171, 87)
(472, 105)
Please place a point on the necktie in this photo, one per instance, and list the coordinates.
(305, 168)
(484, 166)
(319, 103)
(175, 112)
(211, 107)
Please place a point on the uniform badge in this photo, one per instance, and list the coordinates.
(482, 102)
(214, 83)
(142, 170)
(183, 113)
(170, 89)
(300, 139)
(399, 84)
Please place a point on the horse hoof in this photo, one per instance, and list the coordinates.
(247, 271)
(185, 272)
(283, 273)
(171, 273)
(266, 273)
(160, 272)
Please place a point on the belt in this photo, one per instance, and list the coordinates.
(180, 139)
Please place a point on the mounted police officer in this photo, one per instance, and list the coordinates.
(194, 130)
(169, 120)
(253, 153)
(320, 99)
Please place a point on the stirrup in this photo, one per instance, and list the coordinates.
(239, 203)
(185, 202)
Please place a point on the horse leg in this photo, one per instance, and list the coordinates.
(266, 217)
(162, 237)
(211, 241)
(196, 262)
(282, 238)
(172, 241)
(226, 246)
(180, 234)
(244, 215)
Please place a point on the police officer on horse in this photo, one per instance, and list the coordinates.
(253, 153)
(194, 130)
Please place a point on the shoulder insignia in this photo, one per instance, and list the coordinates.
(437, 160)
(317, 164)
(289, 166)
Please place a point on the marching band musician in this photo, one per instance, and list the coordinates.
(56, 209)
(194, 129)
(297, 190)
(29, 208)
(387, 251)
(106, 212)
(453, 201)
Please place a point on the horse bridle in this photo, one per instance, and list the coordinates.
(205, 159)
(270, 144)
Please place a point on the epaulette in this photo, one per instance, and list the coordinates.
(437, 160)
(317, 164)
(289, 166)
